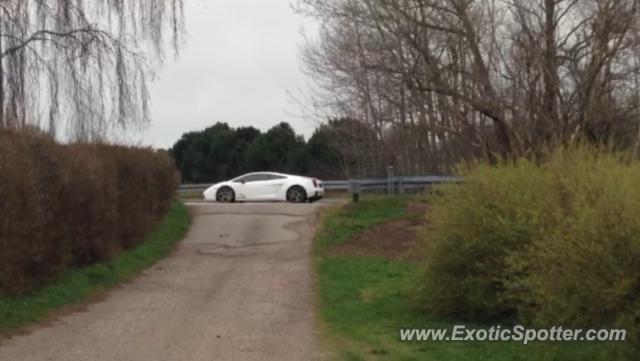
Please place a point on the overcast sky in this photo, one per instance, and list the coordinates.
(240, 60)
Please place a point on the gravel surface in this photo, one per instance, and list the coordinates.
(238, 288)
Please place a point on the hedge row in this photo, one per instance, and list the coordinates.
(65, 206)
(551, 244)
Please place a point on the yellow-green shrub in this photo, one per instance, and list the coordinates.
(474, 229)
(557, 243)
(584, 267)
(67, 206)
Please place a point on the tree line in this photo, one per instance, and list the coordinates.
(436, 82)
(221, 152)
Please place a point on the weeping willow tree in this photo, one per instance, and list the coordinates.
(81, 67)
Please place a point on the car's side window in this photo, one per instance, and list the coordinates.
(254, 178)
(257, 177)
(274, 177)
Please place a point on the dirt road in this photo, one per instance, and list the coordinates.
(238, 288)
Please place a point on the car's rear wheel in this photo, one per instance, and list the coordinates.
(296, 194)
(225, 195)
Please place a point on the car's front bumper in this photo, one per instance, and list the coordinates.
(318, 193)
(210, 193)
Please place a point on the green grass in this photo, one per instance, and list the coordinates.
(190, 195)
(364, 301)
(80, 285)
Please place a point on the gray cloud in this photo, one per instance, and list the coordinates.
(240, 60)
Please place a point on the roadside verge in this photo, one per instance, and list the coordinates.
(81, 285)
(367, 262)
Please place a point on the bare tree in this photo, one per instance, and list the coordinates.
(446, 80)
(83, 64)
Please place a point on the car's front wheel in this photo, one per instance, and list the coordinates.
(225, 195)
(296, 194)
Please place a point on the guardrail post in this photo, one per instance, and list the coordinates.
(354, 188)
(390, 180)
(400, 185)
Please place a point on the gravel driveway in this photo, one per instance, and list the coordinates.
(238, 288)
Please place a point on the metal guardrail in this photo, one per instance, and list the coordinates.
(397, 183)
(194, 187)
(391, 184)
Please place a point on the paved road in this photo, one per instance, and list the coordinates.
(238, 288)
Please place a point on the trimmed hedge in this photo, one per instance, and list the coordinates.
(65, 206)
(550, 244)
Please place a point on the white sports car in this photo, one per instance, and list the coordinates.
(266, 186)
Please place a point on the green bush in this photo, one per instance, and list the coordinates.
(584, 267)
(557, 243)
(73, 205)
(474, 228)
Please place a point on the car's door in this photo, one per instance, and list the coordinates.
(272, 185)
(255, 186)
(245, 186)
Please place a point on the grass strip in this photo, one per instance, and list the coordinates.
(364, 301)
(190, 195)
